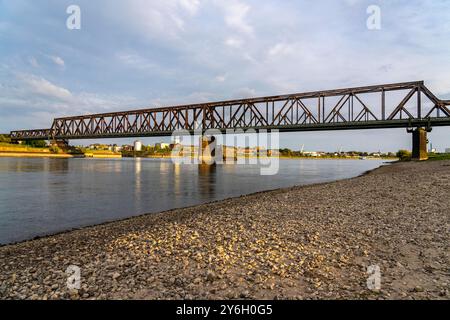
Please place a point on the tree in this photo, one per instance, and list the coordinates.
(404, 155)
(5, 138)
(36, 143)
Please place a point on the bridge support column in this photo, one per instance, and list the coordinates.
(229, 154)
(419, 144)
(60, 143)
(207, 150)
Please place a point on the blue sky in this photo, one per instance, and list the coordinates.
(143, 53)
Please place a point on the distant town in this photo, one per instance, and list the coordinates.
(139, 149)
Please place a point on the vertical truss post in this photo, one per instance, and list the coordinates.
(419, 102)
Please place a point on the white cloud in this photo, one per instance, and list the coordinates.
(57, 60)
(235, 16)
(135, 60)
(281, 49)
(245, 92)
(38, 101)
(234, 42)
(191, 6)
(163, 20)
(221, 78)
(44, 87)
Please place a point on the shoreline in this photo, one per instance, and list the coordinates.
(53, 155)
(11, 154)
(297, 242)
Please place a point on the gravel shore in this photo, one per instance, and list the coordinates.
(312, 242)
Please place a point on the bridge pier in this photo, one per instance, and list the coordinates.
(60, 143)
(419, 143)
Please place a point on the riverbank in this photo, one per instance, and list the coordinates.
(55, 155)
(312, 242)
(38, 155)
(25, 151)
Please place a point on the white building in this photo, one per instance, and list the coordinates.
(137, 145)
(447, 150)
(162, 145)
(311, 154)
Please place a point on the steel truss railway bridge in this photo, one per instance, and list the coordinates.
(409, 105)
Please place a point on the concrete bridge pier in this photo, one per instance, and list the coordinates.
(419, 143)
(207, 150)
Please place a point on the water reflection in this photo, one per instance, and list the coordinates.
(207, 179)
(137, 178)
(177, 178)
(35, 165)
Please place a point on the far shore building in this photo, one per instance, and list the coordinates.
(116, 148)
(162, 145)
(314, 154)
(137, 145)
(127, 147)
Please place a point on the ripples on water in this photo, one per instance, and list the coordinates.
(40, 196)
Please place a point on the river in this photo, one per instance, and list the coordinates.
(40, 196)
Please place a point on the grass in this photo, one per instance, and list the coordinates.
(438, 156)
(8, 147)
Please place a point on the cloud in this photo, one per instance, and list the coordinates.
(280, 49)
(36, 101)
(44, 87)
(243, 93)
(57, 60)
(191, 6)
(135, 60)
(221, 78)
(235, 16)
(164, 20)
(234, 42)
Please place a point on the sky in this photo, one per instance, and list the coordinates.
(144, 53)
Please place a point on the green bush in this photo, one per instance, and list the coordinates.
(5, 138)
(55, 149)
(404, 155)
(36, 143)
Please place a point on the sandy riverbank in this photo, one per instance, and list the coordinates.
(36, 155)
(307, 242)
(54, 155)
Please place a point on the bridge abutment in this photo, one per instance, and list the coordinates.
(419, 143)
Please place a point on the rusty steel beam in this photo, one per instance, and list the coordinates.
(306, 111)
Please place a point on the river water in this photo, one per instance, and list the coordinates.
(40, 196)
